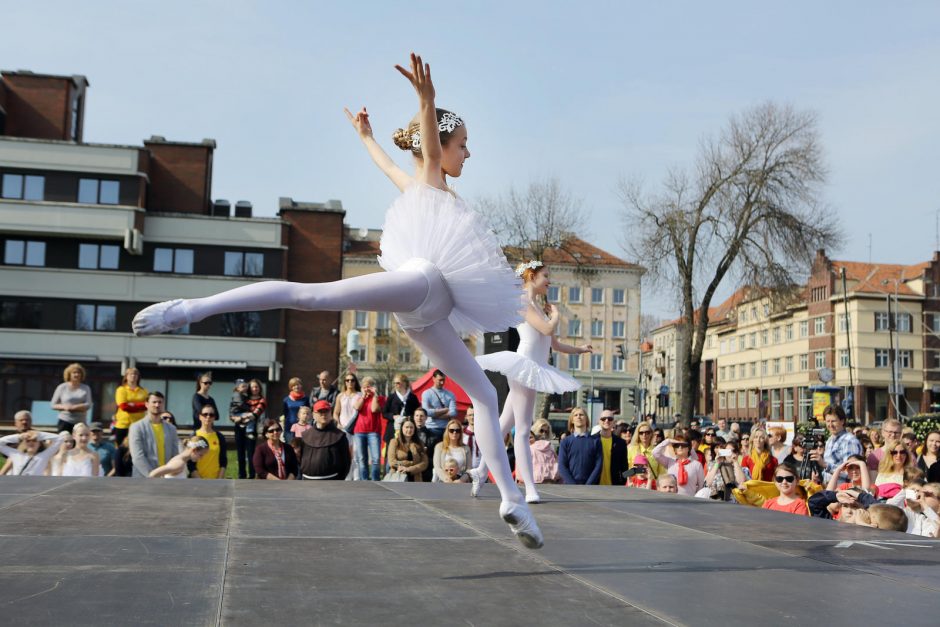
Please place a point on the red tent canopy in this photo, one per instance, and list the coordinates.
(425, 382)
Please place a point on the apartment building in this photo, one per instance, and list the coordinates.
(597, 294)
(91, 233)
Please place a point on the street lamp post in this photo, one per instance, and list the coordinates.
(760, 391)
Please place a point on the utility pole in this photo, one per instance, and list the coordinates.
(848, 338)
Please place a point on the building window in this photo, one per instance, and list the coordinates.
(763, 368)
(754, 314)
(574, 294)
(743, 315)
(936, 359)
(882, 357)
(819, 359)
(618, 328)
(362, 319)
(616, 363)
(619, 297)
(752, 340)
(906, 359)
(843, 358)
(777, 365)
(23, 187)
(242, 324)
(597, 361)
(574, 328)
(789, 332)
(752, 369)
(881, 321)
(383, 320)
(381, 355)
(752, 399)
(732, 344)
(934, 320)
(730, 373)
(554, 294)
(806, 403)
(98, 192)
(776, 335)
(788, 404)
(178, 260)
(845, 323)
(721, 374)
(404, 355)
(789, 363)
(766, 310)
(244, 264)
(905, 323)
(21, 315)
(98, 256)
(804, 328)
(597, 328)
(742, 399)
(721, 400)
(804, 362)
(732, 402)
(597, 295)
(775, 404)
(95, 317)
(764, 338)
(819, 325)
(17, 252)
(574, 362)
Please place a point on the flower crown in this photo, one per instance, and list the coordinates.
(448, 123)
(197, 444)
(532, 265)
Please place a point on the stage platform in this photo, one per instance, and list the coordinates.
(164, 552)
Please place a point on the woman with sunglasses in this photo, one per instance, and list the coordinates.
(201, 398)
(274, 461)
(643, 444)
(452, 448)
(528, 372)
(790, 499)
(212, 464)
(688, 471)
(29, 458)
(446, 274)
(346, 412)
(891, 469)
(544, 458)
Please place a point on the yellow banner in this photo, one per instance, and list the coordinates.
(821, 400)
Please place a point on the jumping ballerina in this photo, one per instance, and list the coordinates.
(445, 275)
(528, 372)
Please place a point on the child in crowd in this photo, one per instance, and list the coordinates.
(451, 472)
(303, 422)
(882, 516)
(790, 499)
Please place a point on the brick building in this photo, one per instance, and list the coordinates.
(91, 233)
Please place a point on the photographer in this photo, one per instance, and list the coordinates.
(639, 475)
(724, 473)
(799, 458)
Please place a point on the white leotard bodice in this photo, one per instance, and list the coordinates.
(533, 344)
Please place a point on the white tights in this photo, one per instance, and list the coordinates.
(398, 291)
(520, 403)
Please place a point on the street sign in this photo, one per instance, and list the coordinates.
(664, 389)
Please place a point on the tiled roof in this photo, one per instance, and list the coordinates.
(869, 276)
(719, 313)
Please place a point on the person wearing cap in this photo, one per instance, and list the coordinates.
(640, 475)
(104, 448)
(614, 451)
(324, 449)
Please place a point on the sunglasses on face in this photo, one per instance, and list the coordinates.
(349, 380)
(680, 445)
(644, 432)
(787, 479)
(453, 430)
(606, 418)
(207, 415)
(902, 453)
(543, 430)
(207, 382)
(275, 430)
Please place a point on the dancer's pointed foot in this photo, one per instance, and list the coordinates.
(532, 497)
(522, 523)
(476, 480)
(160, 318)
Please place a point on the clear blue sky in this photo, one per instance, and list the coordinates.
(588, 92)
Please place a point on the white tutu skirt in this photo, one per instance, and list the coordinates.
(431, 230)
(526, 372)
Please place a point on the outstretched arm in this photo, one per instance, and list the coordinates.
(420, 79)
(571, 349)
(360, 122)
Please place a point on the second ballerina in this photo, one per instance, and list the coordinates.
(529, 372)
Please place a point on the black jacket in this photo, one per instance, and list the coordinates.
(618, 459)
(330, 396)
(393, 407)
(325, 452)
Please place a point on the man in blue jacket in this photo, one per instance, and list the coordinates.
(580, 457)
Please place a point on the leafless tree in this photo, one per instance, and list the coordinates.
(542, 216)
(748, 210)
(648, 322)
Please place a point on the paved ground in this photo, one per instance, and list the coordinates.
(164, 552)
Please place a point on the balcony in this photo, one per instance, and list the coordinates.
(41, 154)
(49, 218)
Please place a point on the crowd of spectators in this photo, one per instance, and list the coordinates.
(345, 429)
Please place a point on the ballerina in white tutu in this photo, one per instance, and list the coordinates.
(445, 273)
(528, 372)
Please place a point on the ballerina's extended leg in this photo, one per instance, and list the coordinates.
(441, 344)
(399, 291)
(517, 411)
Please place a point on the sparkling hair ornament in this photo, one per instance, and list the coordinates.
(532, 265)
(449, 121)
(198, 444)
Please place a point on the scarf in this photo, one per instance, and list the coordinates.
(296, 396)
(682, 477)
(759, 460)
(279, 456)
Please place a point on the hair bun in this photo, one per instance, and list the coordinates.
(402, 139)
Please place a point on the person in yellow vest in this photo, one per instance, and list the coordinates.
(131, 402)
(642, 444)
(212, 464)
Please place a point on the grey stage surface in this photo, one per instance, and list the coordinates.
(164, 552)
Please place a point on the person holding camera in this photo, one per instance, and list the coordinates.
(799, 459)
(639, 476)
(841, 443)
(724, 472)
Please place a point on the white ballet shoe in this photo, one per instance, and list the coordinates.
(522, 523)
(476, 480)
(532, 498)
(153, 320)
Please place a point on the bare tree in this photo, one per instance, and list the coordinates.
(648, 323)
(749, 209)
(542, 216)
